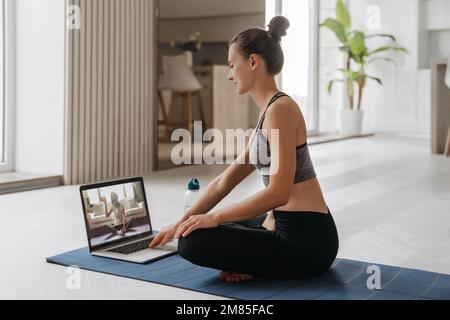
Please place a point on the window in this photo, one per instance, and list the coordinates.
(6, 66)
(300, 72)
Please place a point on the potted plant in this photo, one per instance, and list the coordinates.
(193, 44)
(358, 56)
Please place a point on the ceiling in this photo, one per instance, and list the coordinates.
(171, 9)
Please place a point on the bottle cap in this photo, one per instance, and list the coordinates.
(193, 184)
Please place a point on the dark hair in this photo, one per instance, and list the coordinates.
(264, 43)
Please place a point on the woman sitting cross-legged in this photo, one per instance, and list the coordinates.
(286, 230)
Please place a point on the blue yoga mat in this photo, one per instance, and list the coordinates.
(345, 280)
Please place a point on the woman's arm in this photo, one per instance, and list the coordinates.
(222, 185)
(123, 215)
(213, 194)
(108, 212)
(124, 220)
(282, 168)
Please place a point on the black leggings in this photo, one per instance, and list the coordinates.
(304, 245)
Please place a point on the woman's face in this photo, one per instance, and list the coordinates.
(241, 70)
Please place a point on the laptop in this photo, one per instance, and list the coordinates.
(118, 223)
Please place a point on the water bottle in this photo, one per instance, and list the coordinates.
(192, 194)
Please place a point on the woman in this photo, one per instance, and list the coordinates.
(298, 237)
(119, 213)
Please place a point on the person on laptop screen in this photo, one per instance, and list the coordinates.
(119, 213)
(118, 222)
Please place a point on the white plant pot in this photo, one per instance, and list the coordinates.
(351, 121)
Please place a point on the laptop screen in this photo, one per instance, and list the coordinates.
(115, 212)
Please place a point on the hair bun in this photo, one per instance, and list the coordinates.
(277, 27)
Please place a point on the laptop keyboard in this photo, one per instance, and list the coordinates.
(132, 247)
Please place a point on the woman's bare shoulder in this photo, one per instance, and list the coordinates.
(284, 109)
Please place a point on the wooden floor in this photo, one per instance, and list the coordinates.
(389, 197)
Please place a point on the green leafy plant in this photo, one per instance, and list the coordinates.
(354, 46)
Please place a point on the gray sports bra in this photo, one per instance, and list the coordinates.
(259, 153)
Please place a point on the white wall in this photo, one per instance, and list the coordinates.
(208, 8)
(225, 27)
(437, 14)
(436, 24)
(39, 86)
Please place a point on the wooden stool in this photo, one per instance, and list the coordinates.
(163, 109)
(187, 103)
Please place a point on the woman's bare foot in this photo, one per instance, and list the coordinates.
(231, 276)
(224, 275)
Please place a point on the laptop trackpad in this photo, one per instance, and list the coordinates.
(149, 253)
(171, 245)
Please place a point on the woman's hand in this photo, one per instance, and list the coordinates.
(165, 235)
(200, 221)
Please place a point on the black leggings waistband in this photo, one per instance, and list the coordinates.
(293, 214)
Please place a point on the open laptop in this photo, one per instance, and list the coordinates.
(118, 223)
